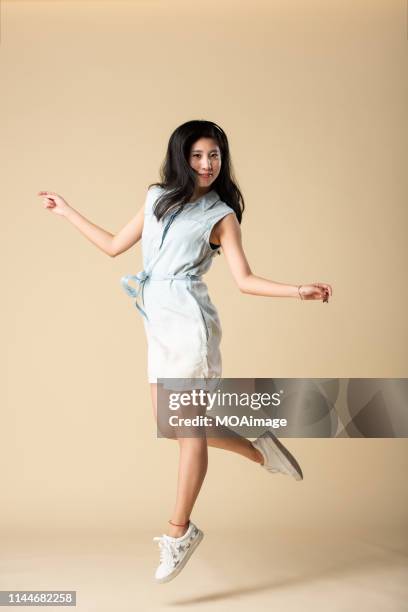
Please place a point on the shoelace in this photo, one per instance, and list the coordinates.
(167, 554)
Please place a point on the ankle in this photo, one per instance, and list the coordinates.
(177, 530)
(257, 455)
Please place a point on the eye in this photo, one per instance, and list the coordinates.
(198, 154)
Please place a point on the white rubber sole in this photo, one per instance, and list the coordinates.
(184, 561)
(286, 458)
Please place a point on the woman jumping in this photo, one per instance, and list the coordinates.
(187, 218)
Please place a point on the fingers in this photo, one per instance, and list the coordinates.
(326, 290)
(325, 295)
(48, 202)
(325, 286)
(48, 198)
(323, 291)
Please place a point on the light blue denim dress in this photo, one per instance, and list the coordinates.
(182, 326)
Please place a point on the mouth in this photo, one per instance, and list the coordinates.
(205, 175)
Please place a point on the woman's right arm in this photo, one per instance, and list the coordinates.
(111, 244)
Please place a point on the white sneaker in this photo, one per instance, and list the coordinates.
(175, 552)
(276, 456)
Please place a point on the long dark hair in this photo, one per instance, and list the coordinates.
(178, 178)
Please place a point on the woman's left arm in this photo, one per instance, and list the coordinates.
(228, 232)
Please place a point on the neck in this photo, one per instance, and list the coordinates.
(199, 192)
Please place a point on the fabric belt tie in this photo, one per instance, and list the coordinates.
(141, 277)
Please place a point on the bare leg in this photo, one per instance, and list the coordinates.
(231, 441)
(192, 470)
(235, 443)
(193, 465)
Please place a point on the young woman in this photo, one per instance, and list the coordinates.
(187, 218)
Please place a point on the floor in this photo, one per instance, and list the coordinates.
(318, 568)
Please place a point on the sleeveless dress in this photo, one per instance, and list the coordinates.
(181, 323)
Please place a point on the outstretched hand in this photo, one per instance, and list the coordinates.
(316, 291)
(54, 202)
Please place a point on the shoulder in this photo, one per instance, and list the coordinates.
(153, 194)
(154, 191)
(218, 210)
(216, 215)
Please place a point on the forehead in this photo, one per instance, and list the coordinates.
(204, 144)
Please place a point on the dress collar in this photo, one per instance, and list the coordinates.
(206, 200)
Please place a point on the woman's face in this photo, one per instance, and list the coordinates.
(205, 159)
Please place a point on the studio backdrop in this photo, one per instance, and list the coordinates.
(313, 98)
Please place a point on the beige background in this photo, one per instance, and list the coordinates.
(313, 98)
